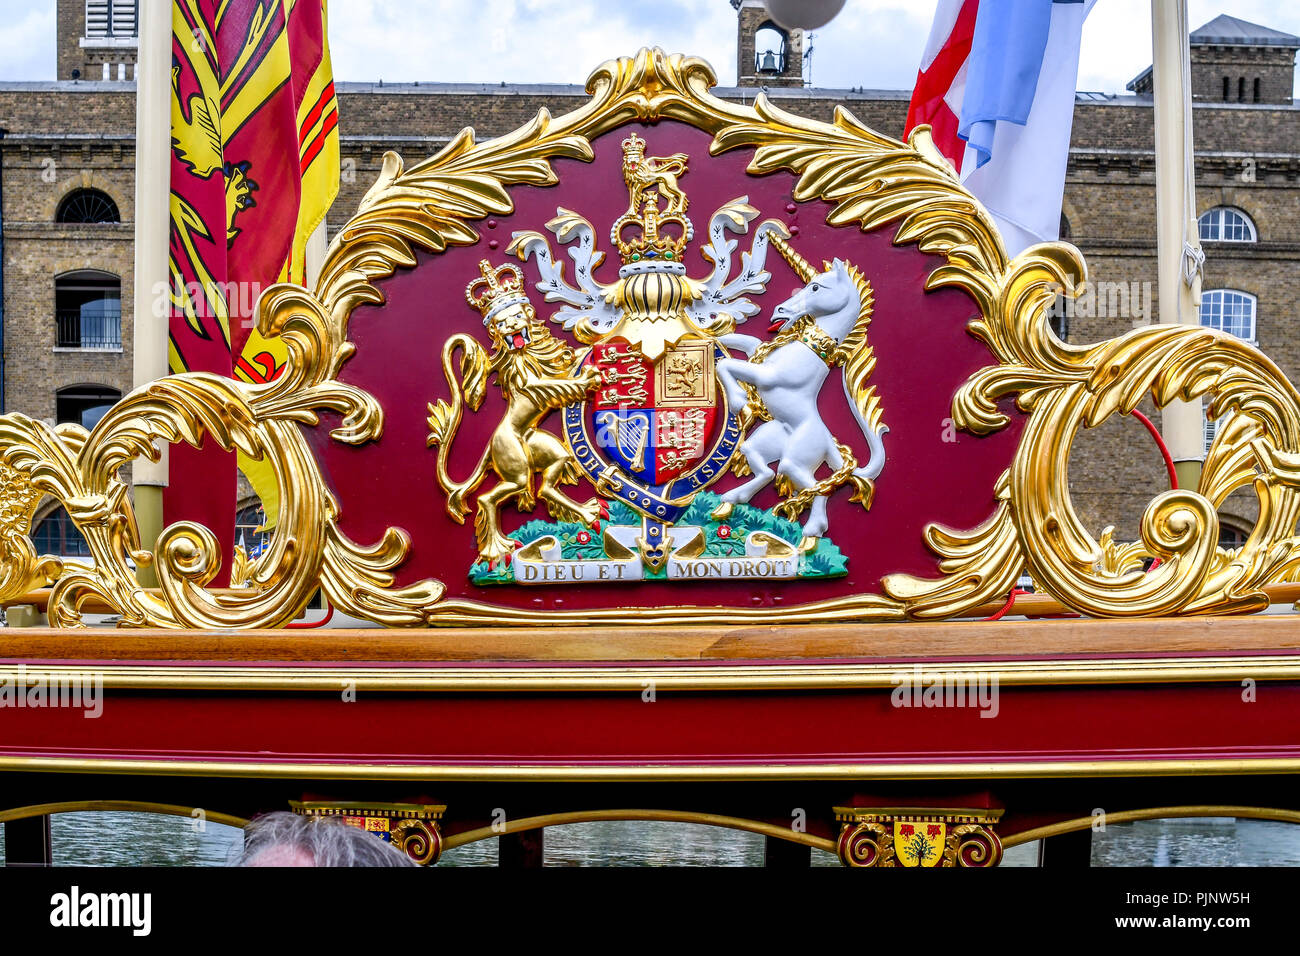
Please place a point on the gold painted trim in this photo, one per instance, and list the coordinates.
(939, 814)
(1153, 813)
(432, 811)
(681, 677)
(132, 806)
(579, 773)
(659, 816)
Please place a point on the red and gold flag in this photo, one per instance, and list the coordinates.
(254, 168)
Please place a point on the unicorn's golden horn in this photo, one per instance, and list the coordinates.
(802, 267)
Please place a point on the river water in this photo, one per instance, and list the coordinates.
(136, 839)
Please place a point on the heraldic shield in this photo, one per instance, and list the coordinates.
(671, 357)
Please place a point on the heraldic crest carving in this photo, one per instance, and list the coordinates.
(839, 401)
(655, 407)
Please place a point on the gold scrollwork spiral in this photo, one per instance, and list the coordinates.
(867, 180)
(972, 845)
(866, 844)
(418, 840)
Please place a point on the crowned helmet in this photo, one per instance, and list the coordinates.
(496, 289)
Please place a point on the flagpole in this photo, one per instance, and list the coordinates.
(1177, 241)
(153, 96)
(314, 258)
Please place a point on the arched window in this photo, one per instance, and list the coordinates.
(1226, 89)
(769, 49)
(1241, 89)
(1256, 89)
(87, 205)
(1225, 224)
(1229, 310)
(88, 310)
(1230, 536)
(84, 405)
(1232, 311)
(58, 535)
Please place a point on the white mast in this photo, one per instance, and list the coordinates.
(153, 104)
(1178, 245)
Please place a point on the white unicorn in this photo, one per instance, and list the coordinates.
(820, 327)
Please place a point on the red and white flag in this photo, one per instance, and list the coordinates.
(996, 86)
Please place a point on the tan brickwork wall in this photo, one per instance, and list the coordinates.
(1273, 66)
(70, 16)
(34, 369)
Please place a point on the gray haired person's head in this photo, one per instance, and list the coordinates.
(287, 839)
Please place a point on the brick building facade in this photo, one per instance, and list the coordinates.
(70, 142)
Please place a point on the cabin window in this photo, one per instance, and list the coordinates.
(1225, 224)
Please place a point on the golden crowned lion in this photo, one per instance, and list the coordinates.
(533, 373)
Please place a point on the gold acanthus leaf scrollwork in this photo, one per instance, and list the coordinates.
(21, 569)
(868, 179)
(874, 180)
(307, 550)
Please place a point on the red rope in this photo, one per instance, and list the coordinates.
(1015, 593)
(1164, 449)
(329, 613)
(1173, 483)
(1169, 462)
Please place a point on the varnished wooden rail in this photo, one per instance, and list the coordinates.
(1025, 605)
(992, 640)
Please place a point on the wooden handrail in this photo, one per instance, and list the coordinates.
(1027, 605)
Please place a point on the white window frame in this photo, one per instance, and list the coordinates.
(109, 19)
(1211, 427)
(1209, 296)
(1213, 225)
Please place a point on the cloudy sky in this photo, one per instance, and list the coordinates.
(873, 43)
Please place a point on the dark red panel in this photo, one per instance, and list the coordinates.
(923, 349)
(1032, 723)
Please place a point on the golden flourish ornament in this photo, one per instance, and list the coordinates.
(919, 838)
(868, 179)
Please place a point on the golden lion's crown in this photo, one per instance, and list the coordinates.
(496, 288)
(633, 148)
(640, 233)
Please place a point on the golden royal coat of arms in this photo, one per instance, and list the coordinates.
(652, 405)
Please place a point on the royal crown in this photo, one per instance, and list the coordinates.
(640, 233)
(633, 148)
(496, 288)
